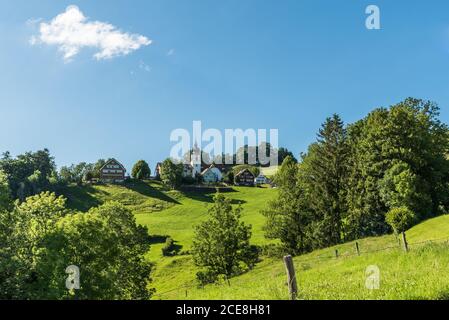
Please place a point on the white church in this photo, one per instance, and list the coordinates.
(195, 168)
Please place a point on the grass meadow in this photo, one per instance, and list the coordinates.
(419, 274)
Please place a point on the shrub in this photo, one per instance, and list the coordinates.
(169, 248)
(206, 277)
(273, 250)
(400, 219)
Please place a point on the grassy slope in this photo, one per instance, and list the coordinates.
(138, 196)
(418, 274)
(179, 221)
(270, 171)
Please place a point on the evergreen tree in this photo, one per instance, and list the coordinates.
(326, 173)
(288, 215)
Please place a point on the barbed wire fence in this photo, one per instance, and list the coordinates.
(402, 245)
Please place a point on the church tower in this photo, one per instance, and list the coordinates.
(195, 161)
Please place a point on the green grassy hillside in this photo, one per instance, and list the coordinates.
(270, 171)
(140, 197)
(179, 221)
(419, 274)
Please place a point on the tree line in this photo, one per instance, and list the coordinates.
(386, 171)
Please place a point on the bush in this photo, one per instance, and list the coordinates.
(189, 180)
(206, 277)
(228, 177)
(169, 248)
(400, 219)
(273, 250)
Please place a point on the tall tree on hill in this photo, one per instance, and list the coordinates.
(171, 173)
(288, 215)
(398, 157)
(325, 172)
(141, 170)
(283, 153)
(221, 244)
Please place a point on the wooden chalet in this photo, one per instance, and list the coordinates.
(244, 178)
(112, 172)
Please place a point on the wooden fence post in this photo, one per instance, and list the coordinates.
(291, 277)
(336, 253)
(404, 241)
(357, 248)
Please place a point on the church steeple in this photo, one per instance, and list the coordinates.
(196, 160)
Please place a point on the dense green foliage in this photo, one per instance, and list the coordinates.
(283, 153)
(29, 173)
(5, 193)
(141, 170)
(286, 220)
(221, 244)
(400, 219)
(77, 173)
(40, 238)
(171, 173)
(351, 177)
(169, 247)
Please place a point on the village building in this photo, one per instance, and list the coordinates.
(211, 175)
(244, 178)
(112, 172)
(261, 179)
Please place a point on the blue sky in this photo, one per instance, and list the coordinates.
(232, 64)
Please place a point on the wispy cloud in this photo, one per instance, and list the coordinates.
(33, 21)
(143, 66)
(71, 31)
(171, 52)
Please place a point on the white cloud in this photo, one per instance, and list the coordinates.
(71, 31)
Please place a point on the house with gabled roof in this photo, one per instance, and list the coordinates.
(244, 178)
(112, 172)
(211, 175)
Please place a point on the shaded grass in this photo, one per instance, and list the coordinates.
(138, 196)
